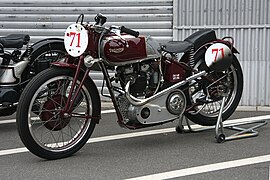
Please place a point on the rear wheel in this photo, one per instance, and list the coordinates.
(205, 95)
(44, 127)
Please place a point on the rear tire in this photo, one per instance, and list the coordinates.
(208, 116)
(44, 128)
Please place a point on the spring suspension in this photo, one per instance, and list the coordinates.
(28, 51)
(191, 58)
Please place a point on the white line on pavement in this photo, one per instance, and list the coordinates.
(7, 121)
(139, 134)
(14, 120)
(205, 168)
(100, 139)
(175, 173)
(12, 151)
(264, 117)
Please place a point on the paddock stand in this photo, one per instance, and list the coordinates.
(220, 126)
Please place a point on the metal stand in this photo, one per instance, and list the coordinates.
(219, 127)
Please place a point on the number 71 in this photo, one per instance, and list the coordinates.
(216, 51)
(73, 35)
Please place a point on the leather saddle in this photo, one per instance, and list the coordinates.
(14, 40)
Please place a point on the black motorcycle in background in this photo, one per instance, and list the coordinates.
(19, 62)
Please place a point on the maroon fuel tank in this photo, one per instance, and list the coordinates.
(117, 51)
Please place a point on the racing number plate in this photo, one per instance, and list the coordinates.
(216, 53)
(76, 40)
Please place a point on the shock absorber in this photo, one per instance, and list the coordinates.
(191, 57)
(28, 52)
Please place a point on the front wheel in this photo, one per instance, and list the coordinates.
(205, 95)
(44, 127)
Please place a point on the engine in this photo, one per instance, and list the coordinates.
(144, 77)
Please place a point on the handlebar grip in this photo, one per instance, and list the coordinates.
(129, 31)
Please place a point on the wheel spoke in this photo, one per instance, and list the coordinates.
(209, 88)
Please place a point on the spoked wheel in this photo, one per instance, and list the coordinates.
(205, 95)
(45, 125)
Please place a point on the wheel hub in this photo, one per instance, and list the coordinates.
(52, 115)
(176, 102)
(215, 89)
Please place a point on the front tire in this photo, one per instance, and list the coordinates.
(44, 128)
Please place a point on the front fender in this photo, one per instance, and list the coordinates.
(64, 65)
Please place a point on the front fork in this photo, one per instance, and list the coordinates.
(72, 96)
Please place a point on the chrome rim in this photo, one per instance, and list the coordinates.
(212, 108)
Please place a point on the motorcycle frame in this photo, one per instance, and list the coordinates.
(94, 47)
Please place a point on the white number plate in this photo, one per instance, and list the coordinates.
(76, 40)
(216, 53)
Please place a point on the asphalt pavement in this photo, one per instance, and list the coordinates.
(154, 153)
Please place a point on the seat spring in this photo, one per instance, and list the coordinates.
(28, 50)
(191, 58)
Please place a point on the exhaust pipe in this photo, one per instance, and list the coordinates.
(140, 102)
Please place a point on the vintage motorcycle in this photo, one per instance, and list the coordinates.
(17, 68)
(60, 107)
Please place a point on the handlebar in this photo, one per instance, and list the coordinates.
(129, 31)
(101, 19)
